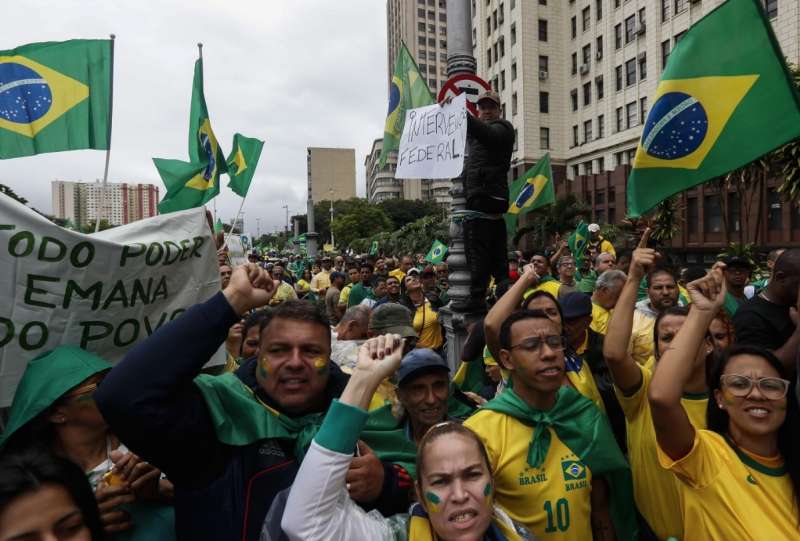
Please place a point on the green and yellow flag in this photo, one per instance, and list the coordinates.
(194, 183)
(407, 91)
(532, 190)
(725, 98)
(55, 96)
(577, 242)
(437, 252)
(242, 162)
(373, 249)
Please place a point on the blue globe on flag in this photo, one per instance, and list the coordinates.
(25, 95)
(676, 126)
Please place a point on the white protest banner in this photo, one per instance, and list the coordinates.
(433, 140)
(103, 292)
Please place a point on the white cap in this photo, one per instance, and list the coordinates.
(594, 228)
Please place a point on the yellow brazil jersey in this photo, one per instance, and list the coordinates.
(641, 345)
(656, 494)
(580, 376)
(551, 286)
(553, 501)
(600, 319)
(345, 294)
(731, 495)
(426, 323)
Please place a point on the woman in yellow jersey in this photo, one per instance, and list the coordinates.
(740, 479)
(454, 485)
(426, 319)
(655, 490)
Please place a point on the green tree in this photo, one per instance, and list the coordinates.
(359, 223)
(9, 192)
(89, 227)
(403, 211)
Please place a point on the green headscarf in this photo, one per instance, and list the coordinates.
(584, 429)
(46, 379)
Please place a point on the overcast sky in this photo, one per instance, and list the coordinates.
(294, 73)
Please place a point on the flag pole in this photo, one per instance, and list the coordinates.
(108, 150)
(238, 212)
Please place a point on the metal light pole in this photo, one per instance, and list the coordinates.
(258, 229)
(455, 321)
(331, 222)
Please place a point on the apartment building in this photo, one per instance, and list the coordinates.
(331, 173)
(422, 25)
(119, 203)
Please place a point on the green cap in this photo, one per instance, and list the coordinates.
(46, 379)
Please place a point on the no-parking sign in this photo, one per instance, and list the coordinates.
(466, 83)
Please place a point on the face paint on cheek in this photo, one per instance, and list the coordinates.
(433, 501)
(264, 369)
(487, 492)
(321, 366)
(728, 398)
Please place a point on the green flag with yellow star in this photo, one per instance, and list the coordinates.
(242, 162)
(193, 183)
(534, 189)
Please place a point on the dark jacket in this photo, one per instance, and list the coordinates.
(490, 146)
(222, 492)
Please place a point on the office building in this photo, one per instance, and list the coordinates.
(422, 25)
(121, 203)
(331, 173)
(381, 184)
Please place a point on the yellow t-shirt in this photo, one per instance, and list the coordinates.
(656, 494)
(344, 295)
(600, 318)
(583, 379)
(285, 293)
(730, 495)
(553, 501)
(551, 286)
(321, 281)
(641, 344)
(426, 323)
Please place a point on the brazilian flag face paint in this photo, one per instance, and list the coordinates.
(433, 502)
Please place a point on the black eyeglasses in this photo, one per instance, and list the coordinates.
(741, 386)
(533, 344)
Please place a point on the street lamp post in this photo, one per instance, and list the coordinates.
(331, 223)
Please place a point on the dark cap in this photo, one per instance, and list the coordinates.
(737, 261)
(428, 271)
(418, 361)
(490, 95)
(392, 318)
(576, 304)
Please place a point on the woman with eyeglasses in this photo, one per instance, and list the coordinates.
(54, 409)
(740, 478)
(454, 486)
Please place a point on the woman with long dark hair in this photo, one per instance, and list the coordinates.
(740, 478)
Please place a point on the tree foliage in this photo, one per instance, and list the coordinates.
(404, 211)
(546, 222)
(413, 238)
(359, 222)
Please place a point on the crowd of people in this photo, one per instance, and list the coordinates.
(610, 396)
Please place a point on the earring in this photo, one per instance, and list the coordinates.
(720, 406)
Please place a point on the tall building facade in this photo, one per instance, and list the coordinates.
(381, 184)
(331, 173)
(576, 78)
(120, 203)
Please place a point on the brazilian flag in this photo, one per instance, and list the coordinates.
(194, 183)
(373, 249)
(577, 242)
(242, 162)
(725, 98)
(55, 96)
(437, 252)
(407, 91)
(532, 190)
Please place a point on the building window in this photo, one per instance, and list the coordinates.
(774, 210)
(587, 131)
(642, 66)
(630, 72)
(587, 94)
(630, 29)
(421, 13)
(575, 172)
(643, 109)
(516, 139)
(421, 40)
(734, 217)
(544, 63)
(542, 2)
(496, 56)
(771, 7)
(544, 102)
(586, 18)
(619, 119)
(513, 33)
(618, 36)
(601, 127)
(514, 103)
(680, 5)
(501, 16)
(665, 10)
(642, 18)
(598, 87)
(489, 57)
(442, 43)
(421, 27)
(598, 9)
(600, 197)
(599, 47)
(574, 99)
(712, 214)
(665, 50)
(573, 26)
(630, 115)
(542, 30)
(494, 20)
(586, 54)
(514, 71)
(503, 80)
(502, 45)
(574, 136)
(618, 78)
(574, 63)
(544, 138)
(692, 215)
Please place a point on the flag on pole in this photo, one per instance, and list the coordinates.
(218, 228)
(242, 162)
(408, 90)
(725, 98)
(577, 242)
(534, 189)
(373, 249)
(55, 96)
(194, 183)
(437, 252)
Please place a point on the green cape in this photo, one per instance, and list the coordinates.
(582, 427)
(46, 379)
(240, 419)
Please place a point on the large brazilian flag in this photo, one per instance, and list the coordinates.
(534, 189)
(55, 96)
(725, 98)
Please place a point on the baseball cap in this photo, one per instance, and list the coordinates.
(737, 261)
(428, 271)
(418, 361)
(490, 95)
(413, 270)
(392, 318)
(575, 305)
(594, 228)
